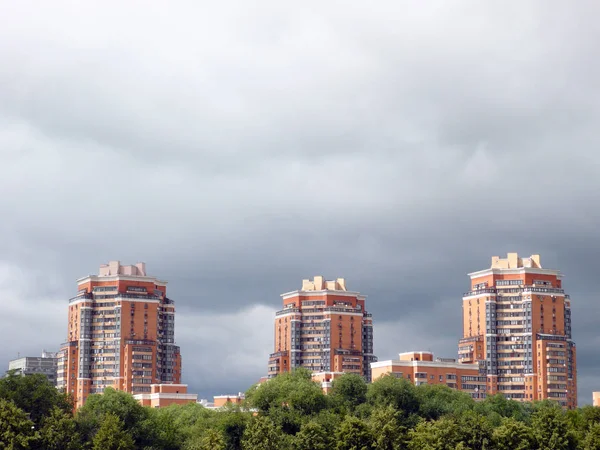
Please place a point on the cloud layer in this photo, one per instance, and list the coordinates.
(239, 148)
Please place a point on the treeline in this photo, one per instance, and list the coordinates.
(290, 412)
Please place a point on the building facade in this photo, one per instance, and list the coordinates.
(596, 399)
(517, 327)
(421, 368)
(163, 395)
(46, 365)
(324, 328)
(121, 334)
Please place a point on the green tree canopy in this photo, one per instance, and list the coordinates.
(261, 433)
(354, 434)
(386, 427)
(34, 394)
(513, 435)
(16, 430)
(294, 390)
(111, 435)
(349, 390)
(134, 417)
(312, 436)
(396, 392)
(59, 432)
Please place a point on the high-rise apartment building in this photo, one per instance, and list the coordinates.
(121, 334)
(517, 326)
(324, 328)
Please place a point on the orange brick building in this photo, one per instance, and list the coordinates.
(121, 334)
(421, 368)
(221, 400)
(163, 395)
(596, 399)
(517, 327)
(325, 328)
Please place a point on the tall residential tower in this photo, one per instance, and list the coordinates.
(517, 326)
(121, 334)
(324, 328)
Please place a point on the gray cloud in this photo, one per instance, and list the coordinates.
(239, 149)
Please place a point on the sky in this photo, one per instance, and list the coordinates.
(240, 147)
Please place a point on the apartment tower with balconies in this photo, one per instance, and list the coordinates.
(324, 328)
(517, 327)
(121, 334)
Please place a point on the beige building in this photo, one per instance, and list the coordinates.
(421, 368)
(163, 395)
(517, 327)
(596, 399)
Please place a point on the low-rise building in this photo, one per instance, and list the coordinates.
(325, 379)
(29, 365)
(596, 399)
(221, 400)
(421, 368)
(162, 395)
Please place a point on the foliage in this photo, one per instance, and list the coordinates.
(262, 433)
(551, 429)
(111, 435)
(312, 436)
(59, 432)
(295, 391)
(387, 429)
(354, 434)
(290, 412)
(396, 392)
(349, 390)
(134, 417)
(34, 394)
(513, 435)
(16, 430)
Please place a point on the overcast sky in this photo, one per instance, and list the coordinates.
(239, 147)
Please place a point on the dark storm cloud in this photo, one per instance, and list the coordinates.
(238, 150)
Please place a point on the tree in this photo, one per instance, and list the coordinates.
(262, 434)
(294, 390)
(232, 423)
(551, 429)
(385, 425)
(436, 400)
(399, 393)
(34, 394)
(112, 436)
(497, 407)
(16, 430)
(474, 431)
(212, 439)
(312, 436)
(513, 435)
(353, 434)
(349, 390)
(591, 441)
(135, 418)
(443, 434)
(59, 432)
